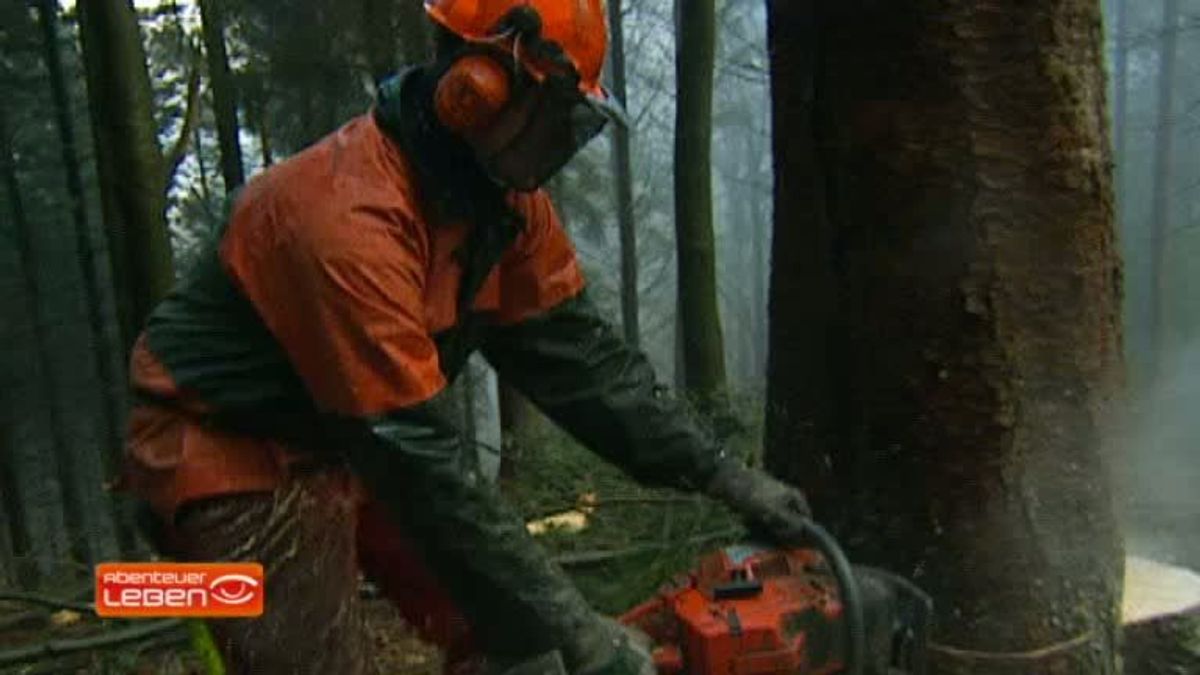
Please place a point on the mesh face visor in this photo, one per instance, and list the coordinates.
(542, 129)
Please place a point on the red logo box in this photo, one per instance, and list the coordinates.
(158, 589)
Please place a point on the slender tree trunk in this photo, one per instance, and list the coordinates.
(759, 234)
(34, 485)
(8, 560)
(256, 117)
(111, 387)
(703, 352)
(1160, 198)
(623, 173)
(129, 159)
(946, 313)
(379, 36)
(224, 92)
(680, 370)
(416, 40)
(201, 167)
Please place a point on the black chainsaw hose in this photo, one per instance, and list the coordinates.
(852, 607)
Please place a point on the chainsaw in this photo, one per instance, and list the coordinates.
(751, 609)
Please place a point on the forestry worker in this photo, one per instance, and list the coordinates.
(290, 392)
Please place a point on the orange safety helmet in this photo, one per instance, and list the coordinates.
(577, 26)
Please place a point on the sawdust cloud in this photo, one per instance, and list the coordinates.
(1156, 457)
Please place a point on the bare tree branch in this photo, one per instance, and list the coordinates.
(191, 117)
(53, 648)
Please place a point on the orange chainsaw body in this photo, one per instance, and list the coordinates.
(747, 610)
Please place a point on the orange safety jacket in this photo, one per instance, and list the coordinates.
(332, 290)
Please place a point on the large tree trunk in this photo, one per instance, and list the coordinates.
(703, 350)
(804, 354)
(129, 160)
(225, 97)
(945, 305)
(623, 175)
(111, 386)
(1163, 177)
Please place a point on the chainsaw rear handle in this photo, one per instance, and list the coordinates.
(807, 531)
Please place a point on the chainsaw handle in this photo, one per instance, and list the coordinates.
(852, 606)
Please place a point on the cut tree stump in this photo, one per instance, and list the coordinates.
(1161, 617)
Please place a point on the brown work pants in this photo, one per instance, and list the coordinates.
(311, 535)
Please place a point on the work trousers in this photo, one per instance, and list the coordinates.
(313, 535)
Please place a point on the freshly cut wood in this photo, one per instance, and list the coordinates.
(1161, 618)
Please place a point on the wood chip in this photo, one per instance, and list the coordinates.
(1155, 589)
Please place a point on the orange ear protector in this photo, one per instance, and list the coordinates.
(471, 94)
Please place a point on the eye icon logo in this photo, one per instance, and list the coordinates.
(233, 589)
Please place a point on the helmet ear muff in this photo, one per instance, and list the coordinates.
(471, 93)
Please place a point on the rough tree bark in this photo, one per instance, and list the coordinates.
(129, 160)
(703, 350)
(623, 175)
(1160, 198)
(945, 312)
(224, 91)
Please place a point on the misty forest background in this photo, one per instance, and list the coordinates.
(690, 229)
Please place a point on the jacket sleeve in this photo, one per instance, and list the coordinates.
(570, 362)
(519, 603)
(347, 309)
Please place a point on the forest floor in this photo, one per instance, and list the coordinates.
(619, 541)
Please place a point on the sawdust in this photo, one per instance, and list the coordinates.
(398, 650)
(1154, 589)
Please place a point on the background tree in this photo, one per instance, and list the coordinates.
(416, 42)
(32, 477)
(1163, 186)
(700, 324)
(945, 313)
(111, 388)
(623, 178)
(224, 93)
(130, 161)
(379, 37)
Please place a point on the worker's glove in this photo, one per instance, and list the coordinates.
(766, 504)
(610, 648)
